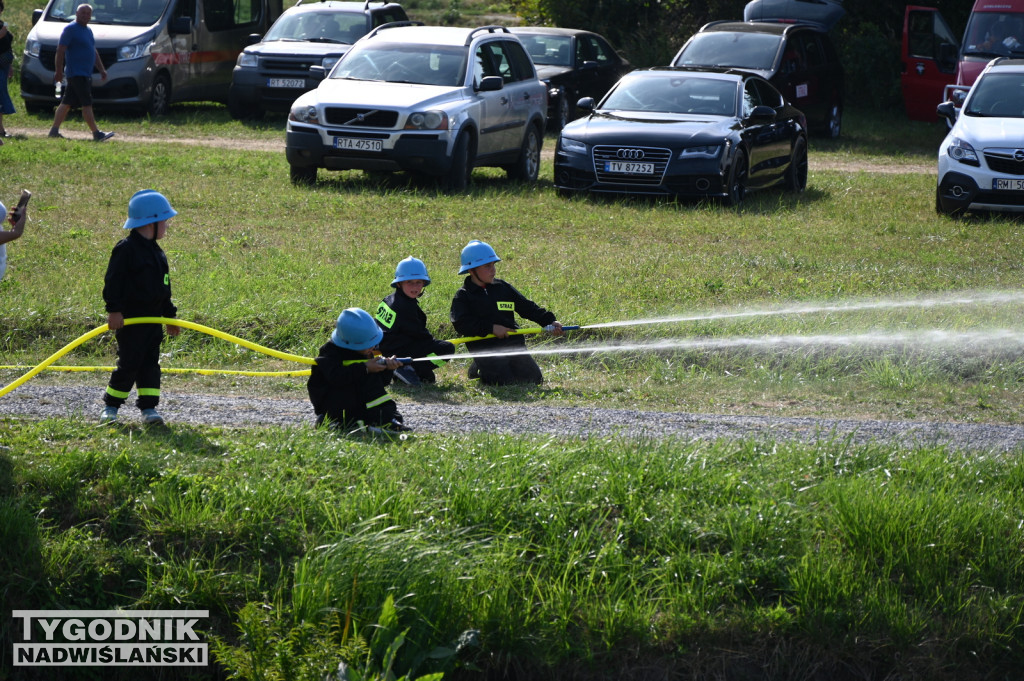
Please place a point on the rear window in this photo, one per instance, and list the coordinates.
(721, 48)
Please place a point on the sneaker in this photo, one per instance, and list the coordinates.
(109, 415)
(406, 374)
(100, 136)
(152, 418)
(473, 372)
(56, 134)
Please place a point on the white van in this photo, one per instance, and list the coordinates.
(155, 51)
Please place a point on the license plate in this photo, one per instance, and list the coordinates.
(286, 82)
(358, 144)
(1008, 185)
(629, 168)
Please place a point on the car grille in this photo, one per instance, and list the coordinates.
(1005, 161)
(290, 66)
(371, 118)
(659, 157)
(48, 56)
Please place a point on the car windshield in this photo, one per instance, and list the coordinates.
(997, 94)
(725, 48)
(995, 34)
(324, 27)
(404, 63)
(129, 13)
(548, 50)
(674, 94)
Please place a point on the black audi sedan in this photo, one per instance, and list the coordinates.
(687, 133)
(574, 64)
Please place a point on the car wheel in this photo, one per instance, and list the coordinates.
(563, 117)
(303, 175)
(737, 187)
(160, 101)
(834, 122)
(796, 174)
(527, 168)
(462, 165)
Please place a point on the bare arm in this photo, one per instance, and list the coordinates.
(58, 63)
(99, 66)
(19, 228)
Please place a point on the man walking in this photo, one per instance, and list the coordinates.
(76, 58)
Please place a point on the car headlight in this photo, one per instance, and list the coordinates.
(572, 146)
(329, 62)
(136, 51)
(962, 151)
(304, 113)
(32, 48)
(706, 151)
(427, 120)
(248, 60)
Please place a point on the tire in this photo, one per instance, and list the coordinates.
(160, 101)
(834, 120)
(796, 174)
(737, 185)
(239, 111)
(563, 115)
(303, 176)
(461, 171)
(527, 168)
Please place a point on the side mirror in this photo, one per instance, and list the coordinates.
(253, 39)
(947, 110)
(36, 14)
(585, 104)
(491, 84)
(180, 26)
(317, 72)
(763, 113)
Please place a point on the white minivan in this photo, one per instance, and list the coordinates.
(155, 51)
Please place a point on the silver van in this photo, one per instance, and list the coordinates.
(155, 51)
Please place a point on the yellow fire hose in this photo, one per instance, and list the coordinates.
(48, 362)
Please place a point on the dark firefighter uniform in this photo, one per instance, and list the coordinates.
(137, 284)
(348, 397)
(475, 311)
(405, 334)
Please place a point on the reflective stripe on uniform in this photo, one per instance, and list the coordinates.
(117, 393)
(149, 392)
(436, 362)
(377, 402)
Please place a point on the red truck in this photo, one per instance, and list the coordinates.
(937, 67)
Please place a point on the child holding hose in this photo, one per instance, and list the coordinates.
(405, 325)
(138, 284)
(346, 385)
(488, 306)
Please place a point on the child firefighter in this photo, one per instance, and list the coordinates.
(138, 284)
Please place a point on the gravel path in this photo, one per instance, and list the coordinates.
(233, 412)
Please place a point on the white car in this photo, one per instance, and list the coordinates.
(433, 100)
(981, 161)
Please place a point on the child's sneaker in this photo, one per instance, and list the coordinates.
(109, 415)
(152, 418)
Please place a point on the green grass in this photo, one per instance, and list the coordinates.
(602, 557)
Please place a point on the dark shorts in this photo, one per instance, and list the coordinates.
(78, 92)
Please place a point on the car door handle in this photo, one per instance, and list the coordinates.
(504, 100)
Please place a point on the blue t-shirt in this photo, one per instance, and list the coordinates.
(81, 54)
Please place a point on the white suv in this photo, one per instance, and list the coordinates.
(433, 100)
(981, 161)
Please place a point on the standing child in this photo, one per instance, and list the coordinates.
(348, 393)
(17, 219)
(138, 284)
(485, 306)
(405, 324)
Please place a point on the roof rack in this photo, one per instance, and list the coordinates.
(488, 29)
(392, 24)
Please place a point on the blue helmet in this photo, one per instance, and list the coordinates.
(477, 253)
(356, 330)
(146, 207)
(409, 269)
